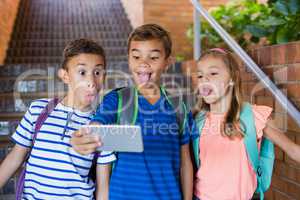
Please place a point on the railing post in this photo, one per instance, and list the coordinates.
(197, 32)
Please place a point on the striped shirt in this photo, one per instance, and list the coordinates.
(54, 170)
(155, 173)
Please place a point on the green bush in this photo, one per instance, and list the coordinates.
(251, 23)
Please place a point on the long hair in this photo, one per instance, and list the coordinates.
(231, 126)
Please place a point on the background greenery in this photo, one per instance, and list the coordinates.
(252, 23)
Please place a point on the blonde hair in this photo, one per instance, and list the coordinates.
(231, 126)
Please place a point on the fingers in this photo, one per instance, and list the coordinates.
(82, 131)
(77, 133)
(86, 148)
(85, 130)
(84, 142)
(87, 139)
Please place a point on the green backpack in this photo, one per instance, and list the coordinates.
(262, 162)
(128, 106)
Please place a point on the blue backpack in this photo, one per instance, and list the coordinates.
(262, 162)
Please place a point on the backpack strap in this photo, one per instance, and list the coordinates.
(250, 140)
(177, 102)
(44, 114)
(41, 119)
(92, 173)
(200, 121)
(39, 122)
(262, 162)
(127, 105)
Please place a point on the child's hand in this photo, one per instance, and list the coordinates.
(284, 142)
(84, 142)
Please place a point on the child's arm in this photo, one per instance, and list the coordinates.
(102, 185)
(11, 163)
(280, 139)
(186, 172)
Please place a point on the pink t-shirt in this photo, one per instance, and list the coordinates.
(225, 172)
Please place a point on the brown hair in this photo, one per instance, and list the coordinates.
(80, 46)
(151, 32)
(231, 126)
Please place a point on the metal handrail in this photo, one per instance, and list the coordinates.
(280, 97)
(197, 40)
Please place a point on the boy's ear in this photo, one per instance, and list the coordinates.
(63, 75)
(170, 61)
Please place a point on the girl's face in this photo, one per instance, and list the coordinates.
(213, 79)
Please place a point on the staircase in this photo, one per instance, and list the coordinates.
(42, 29)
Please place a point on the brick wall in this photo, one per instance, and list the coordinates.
(175, 16)
(282, 64)
(134, 11)
(9, 9)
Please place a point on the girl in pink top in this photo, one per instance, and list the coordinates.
(225, 172)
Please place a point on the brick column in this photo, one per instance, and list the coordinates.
(9, 10)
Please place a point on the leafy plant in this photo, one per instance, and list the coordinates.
(286, 18)
(250, 22)
(179, 58)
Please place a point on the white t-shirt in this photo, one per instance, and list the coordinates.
(54, 170)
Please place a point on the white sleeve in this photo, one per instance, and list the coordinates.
(25, 130)
(106, 157)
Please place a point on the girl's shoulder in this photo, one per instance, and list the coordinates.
(261, 116)
(261, 112)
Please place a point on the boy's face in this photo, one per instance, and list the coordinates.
(147, 61)
(84, 76)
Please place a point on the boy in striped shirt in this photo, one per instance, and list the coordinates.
(54, 170)
(164, 170)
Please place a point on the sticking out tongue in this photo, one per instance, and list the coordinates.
(205, 92)
(89, 98)
(143, 77)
